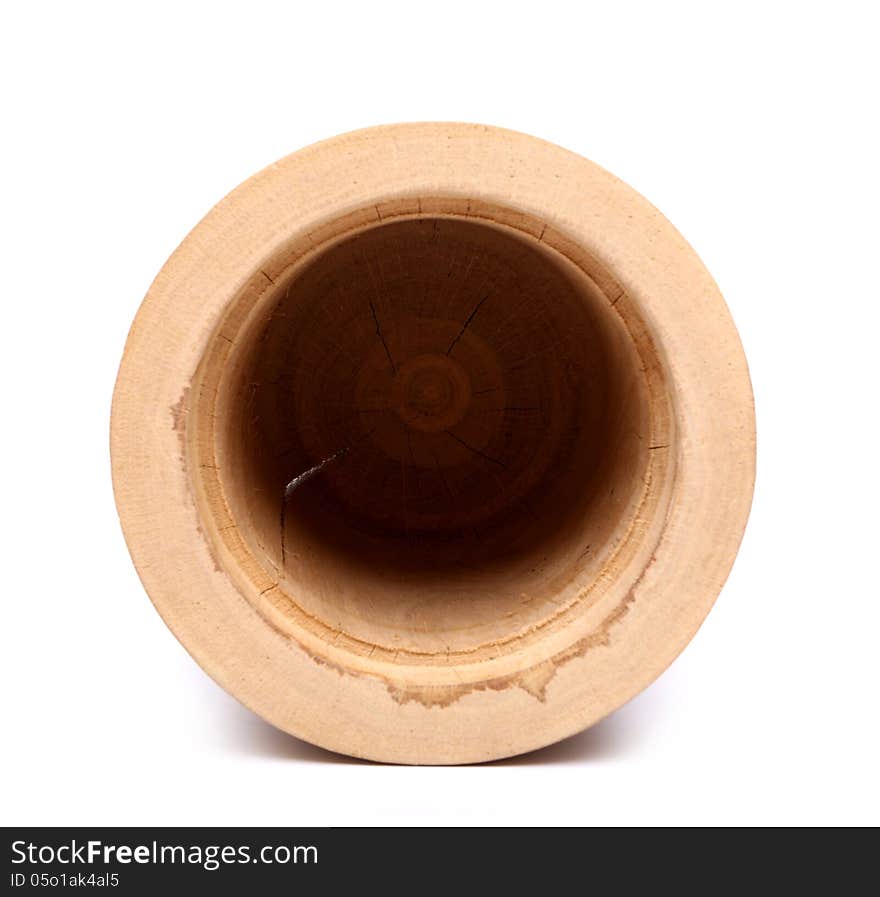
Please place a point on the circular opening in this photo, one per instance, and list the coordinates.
(429, 434)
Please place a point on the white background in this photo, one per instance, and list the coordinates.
(752, 126)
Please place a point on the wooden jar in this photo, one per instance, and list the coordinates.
(433, 443)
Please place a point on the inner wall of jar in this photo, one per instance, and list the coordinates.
(433, 433)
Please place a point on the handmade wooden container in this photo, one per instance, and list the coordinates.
(433, 443)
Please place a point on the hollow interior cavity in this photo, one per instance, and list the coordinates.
(432, 435)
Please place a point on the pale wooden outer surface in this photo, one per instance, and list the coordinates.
(616, 648)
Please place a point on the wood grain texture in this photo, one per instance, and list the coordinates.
(433, 443)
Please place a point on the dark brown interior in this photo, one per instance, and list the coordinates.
(432, 433)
